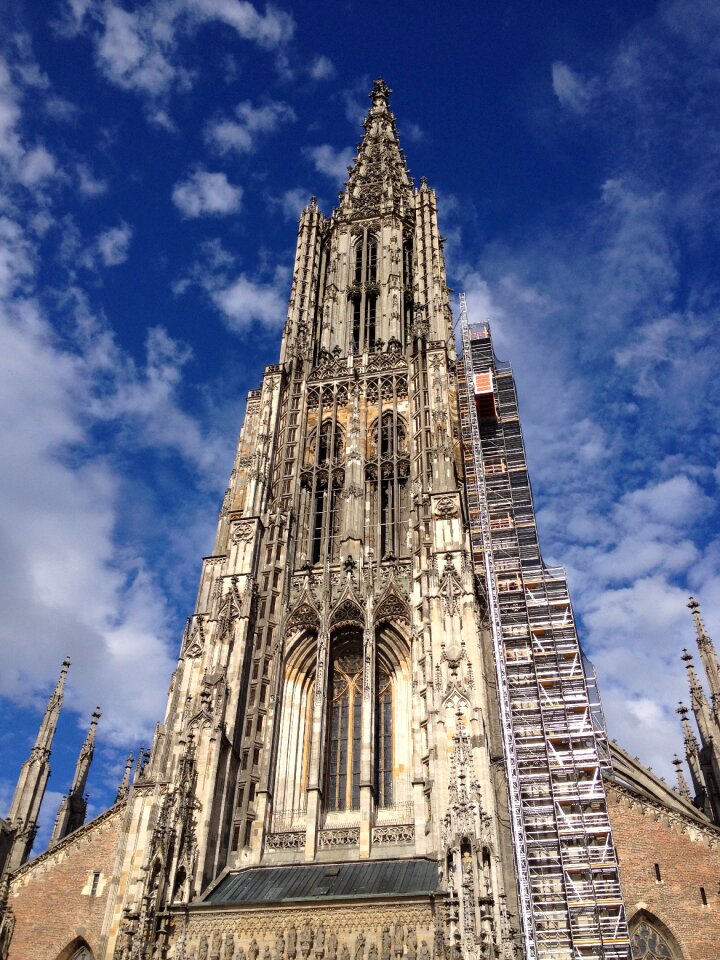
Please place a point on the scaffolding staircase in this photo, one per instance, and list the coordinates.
(554, 742)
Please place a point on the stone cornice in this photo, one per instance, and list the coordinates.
(688, 826)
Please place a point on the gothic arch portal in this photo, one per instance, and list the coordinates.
(78, 949)
(651, 939)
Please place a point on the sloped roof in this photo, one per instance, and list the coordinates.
(327, 881)
(628, 772)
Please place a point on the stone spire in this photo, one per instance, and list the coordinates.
(31, 784)
(379, 181)
(124, 787)
(708, 656)
(683, 788)
(698, 702)
(73, 807)
(692, 755)
(709, 754)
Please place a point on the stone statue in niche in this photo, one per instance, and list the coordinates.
(424, 951)
(266, 953)
(332, 946)
(203, 948)
(372, 952)
(345, 953)
(411, 943)
(305, 939)
(228, 950)
(241, 954)
(291, 942)
(279, 947)
(360, 947)
(320, 941)
(385, 944)
(398, 939)
(253, 950)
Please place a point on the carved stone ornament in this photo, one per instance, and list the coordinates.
(392, 608)
(285, 841)
(304, 617)
(450, 589)
(401, 833)
(347, 613)
(243, 531)
(350, 837)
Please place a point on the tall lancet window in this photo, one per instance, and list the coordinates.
(384, 740)
(322, 480)
(407, 287)
(387, 475)
(362, 301)
(344, 727)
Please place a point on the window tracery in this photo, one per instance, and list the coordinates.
(647, 942)
(322, 481)
(386, 475)
(363, 298)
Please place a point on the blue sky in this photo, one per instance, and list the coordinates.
(154, 158)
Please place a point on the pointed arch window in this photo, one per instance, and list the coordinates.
(384, 740)
(387, 475)
(648, 941)
(344, 740)
(362, 301)
(322, 480)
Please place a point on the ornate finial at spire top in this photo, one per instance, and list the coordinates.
(380, 92)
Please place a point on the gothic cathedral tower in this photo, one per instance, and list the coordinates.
(331, 734)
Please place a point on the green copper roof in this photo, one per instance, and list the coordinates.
(331, 881)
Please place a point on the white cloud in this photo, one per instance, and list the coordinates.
(413, 132)
(113, 245)
(131, 50)
(38, 164)
(292, 202)
(333, 163)
(355, 100)
(138, 50)
(88, 184)
(321, 68)
(270, 30)
(27, 165)
(571, 90)
(245, 301)
(241, 135)
(204, 193)
(65, 580)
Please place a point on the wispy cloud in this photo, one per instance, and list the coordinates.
(241, 135)
(138, 49)
(571, 90)
(206, 194)
(330, 161)
(321, 68)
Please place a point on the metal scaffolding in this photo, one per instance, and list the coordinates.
(554, 741)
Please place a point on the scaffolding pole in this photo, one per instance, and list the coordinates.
(554, 743)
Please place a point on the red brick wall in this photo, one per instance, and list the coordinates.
(51, 899)
(644, 837)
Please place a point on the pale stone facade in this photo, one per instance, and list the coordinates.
(331, 701)
(328, 780)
